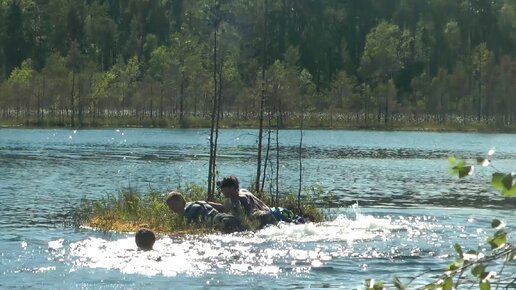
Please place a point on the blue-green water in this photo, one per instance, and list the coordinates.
(410, 209)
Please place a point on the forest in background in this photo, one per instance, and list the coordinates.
(337, 63)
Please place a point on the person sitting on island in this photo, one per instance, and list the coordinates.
(202, 211)
(243, 204)
(145, 239)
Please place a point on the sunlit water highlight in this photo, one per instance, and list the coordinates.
(410, 209)
(365, 241)
(258, 253)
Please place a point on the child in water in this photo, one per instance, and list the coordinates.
(145, 239)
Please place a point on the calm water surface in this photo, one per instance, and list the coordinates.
(410, 210)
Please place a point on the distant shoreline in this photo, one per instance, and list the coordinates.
(369, 128)
(312, 122)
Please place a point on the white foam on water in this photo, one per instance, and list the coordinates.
(167, 258)
(342, 228)
(284, 247)
(36, 270)
(55, 245)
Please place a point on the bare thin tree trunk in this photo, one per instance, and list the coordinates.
(479, 113)
(79, 96)
(72, 101)
(181, 98)
(277, 154)
(211, 171)
(219, 101)
(260, 141)
(300, 162)
(151, 99)
(386, 116)
(266, 153)
(40, 95)
(161, 96)
(262, 100)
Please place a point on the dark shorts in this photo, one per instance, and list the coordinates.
(228, 223)
(266, 218)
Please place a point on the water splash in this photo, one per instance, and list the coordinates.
(284, 248)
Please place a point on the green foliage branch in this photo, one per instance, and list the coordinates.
(501, 251)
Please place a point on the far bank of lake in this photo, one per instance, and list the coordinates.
(312, 121)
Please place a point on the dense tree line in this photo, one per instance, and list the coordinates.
(74, 63)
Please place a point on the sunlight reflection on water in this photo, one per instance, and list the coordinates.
(414, 209)
(271, 251)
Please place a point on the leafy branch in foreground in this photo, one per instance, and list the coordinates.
(478, 262)
(505, 182)
(501, 252)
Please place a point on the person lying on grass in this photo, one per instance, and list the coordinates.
(243, 204)
(204, 212)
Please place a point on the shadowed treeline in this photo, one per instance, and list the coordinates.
(446, 64)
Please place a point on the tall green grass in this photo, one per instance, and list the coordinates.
(129, 210)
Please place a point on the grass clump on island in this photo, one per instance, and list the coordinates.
(129, 210)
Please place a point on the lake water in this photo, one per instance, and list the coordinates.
(398, 211)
